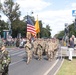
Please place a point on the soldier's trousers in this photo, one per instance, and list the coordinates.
(5, 71)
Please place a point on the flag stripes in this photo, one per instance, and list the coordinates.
(30, 26)
(31, 29)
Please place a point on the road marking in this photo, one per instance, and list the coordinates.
(22, 54)
(13, 51)
(17, 53)
(46, 73)
(16, 62)
(59, 67)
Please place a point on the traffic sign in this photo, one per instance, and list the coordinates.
(73, 12)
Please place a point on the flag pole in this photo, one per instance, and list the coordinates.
(28, 35)
(38, 32)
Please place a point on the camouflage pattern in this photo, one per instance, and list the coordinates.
(41, 47)
(51, 48)
(35, 43)
(28, 51)
(39, 51)
(1, 59)
(6, 60)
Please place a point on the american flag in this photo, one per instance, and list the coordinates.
(30, 26)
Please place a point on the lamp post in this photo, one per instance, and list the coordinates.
(66, 34)
(9, 26)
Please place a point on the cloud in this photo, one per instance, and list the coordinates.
(55, 18)
(32, 5)
(74, 5)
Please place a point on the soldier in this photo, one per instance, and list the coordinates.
(55, 46)
(50, 50)
(28, 50)
(35, 43)
(1, 59)
(6, 60)
(17, 42)
(39, 51)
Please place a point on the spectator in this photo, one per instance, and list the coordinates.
(71, 48)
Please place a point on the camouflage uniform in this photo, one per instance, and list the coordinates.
(28, 50)
(39, 51)
(50, 49)
(1, 59)
(35, 43)
(6, 60)
(17, 42)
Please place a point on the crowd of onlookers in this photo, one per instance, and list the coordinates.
(17, 42)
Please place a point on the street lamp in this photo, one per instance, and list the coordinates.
(66, 30)
(9, 26)
(66, 34)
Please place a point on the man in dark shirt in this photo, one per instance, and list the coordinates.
(71, 48)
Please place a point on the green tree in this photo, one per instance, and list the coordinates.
(48, 27)
(48, 30)
(72, 31)
(11, 10)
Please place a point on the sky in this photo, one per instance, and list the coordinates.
(56, 13)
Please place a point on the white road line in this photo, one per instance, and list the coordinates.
(22, 54)
(16, 53)
(16, 62)
(46, 73)
(59, 67)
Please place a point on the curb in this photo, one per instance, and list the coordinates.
(59, 67)
(46, 73)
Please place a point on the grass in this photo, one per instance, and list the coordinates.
(68, 67)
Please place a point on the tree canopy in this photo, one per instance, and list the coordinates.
(11, 10)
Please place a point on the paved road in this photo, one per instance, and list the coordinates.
(18, 64)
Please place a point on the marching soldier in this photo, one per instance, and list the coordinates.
(1, 59)
(28, 50)
(6, 60)
(35, 43)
